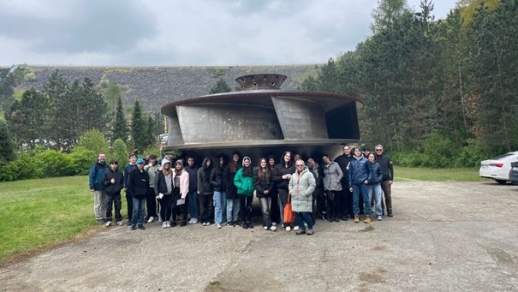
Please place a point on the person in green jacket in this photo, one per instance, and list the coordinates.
(244, 182)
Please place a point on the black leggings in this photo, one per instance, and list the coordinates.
(245, 213)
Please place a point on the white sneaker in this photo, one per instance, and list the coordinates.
(273, 228)
(218, 226)
(119, 223)
(208, 223)
(204, 224)
(296, 228)
(274, 223)
(151, 219)
(191, 221)
(288, 228)
(265, 227)
(194, 220)
(379, 218)
(108, 224)
(168, 224)
(164, 224)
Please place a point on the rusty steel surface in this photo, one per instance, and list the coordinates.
(262, 119)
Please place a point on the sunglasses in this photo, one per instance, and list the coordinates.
(378, 150)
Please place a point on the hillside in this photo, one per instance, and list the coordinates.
(157, 86)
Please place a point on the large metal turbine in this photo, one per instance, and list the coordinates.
(262, 120)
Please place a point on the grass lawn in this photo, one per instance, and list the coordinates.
(428, 174)
(39, 213)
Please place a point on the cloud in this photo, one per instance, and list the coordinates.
(80, 27)
(187, 33)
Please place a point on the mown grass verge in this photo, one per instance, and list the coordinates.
(431, 174)
(40, 213)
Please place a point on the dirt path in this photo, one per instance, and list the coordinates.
(444, 237)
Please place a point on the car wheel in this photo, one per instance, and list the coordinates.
(500, 181)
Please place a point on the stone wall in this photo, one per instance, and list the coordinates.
(157, 86)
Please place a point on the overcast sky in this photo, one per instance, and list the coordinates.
(184, 33)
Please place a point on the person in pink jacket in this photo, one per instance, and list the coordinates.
(180, 191)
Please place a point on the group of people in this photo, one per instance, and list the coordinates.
(221, 192)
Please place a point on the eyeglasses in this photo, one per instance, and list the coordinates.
(378, 150)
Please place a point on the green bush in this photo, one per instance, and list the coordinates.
(24, 167)
(93, 140)
(82, 160)
(54, 163)
(119, 152)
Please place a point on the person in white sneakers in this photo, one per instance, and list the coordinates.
(263, 186)
(163, 191)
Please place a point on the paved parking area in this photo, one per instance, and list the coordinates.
(443, 237)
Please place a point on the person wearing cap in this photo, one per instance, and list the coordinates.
(138, 186)
(163, 191)
(301, 186)
(96, 187)
(244, 182)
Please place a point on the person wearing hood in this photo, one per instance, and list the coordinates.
(281, 176)
(205, 191)
(219, 185)
(244, 182)
(96, 187)
(301, 186)
(164, 192)
(231, 191)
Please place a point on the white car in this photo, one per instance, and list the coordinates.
(498, 168)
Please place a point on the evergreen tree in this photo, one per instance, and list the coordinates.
(55, 90)
(120, 127)
(138, 129)
(6, 145)
(220, 86)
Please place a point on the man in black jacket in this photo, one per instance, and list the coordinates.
(388, 177)
(345, 197)
(138, 186)
(113, 183)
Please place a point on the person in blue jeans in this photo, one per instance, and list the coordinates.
(374, 183)
(358, 175)
(139, 185)
(217, 180)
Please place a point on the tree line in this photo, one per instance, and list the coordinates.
(438, 92)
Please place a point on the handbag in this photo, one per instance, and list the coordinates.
(289, 217)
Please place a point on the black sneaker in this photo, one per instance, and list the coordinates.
(250, 225)
(183, 223)
(344, 218)
(141, 227)
(173, 224)
(133, 227)
(245, 225)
